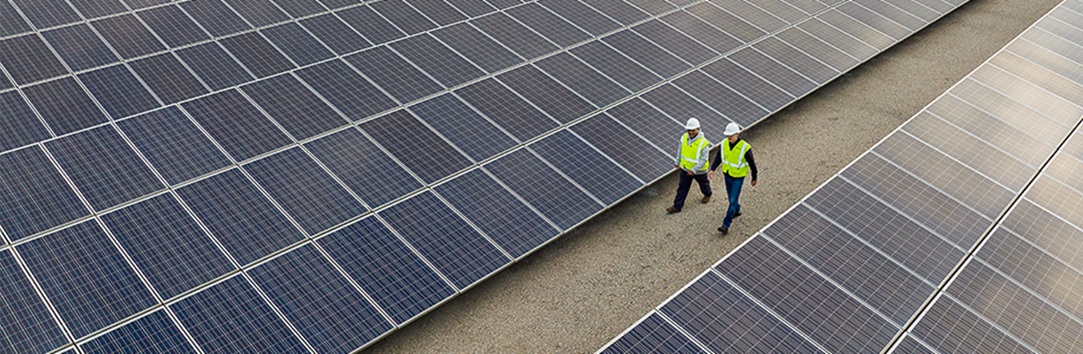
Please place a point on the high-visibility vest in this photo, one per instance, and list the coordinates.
(733, 158)
(690, 154)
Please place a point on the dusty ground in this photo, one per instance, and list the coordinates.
(580, 291)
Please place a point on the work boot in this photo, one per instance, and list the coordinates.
(736, 215)
(724, 230)
(706, 199)
(672, 210)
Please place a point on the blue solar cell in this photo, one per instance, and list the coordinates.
(304, 190)
(27, 59)
(514, 35)
(47, 13)
(103, 167)
(128, 36)
(743, 326)
(507, 109)
(445, 239)
(542, 187)
(215, 16)
(582, 15)
(232, 317)
(173, 26)
(257, 54)
(239, 216)
(173, 144)
(477, 47)
(590, 169)
(370, 24)
(98, 8)
(217, 69)
(297, 43)
(420, 150)
(438, 60)
(300, 8)
(236, 124)
(438, 11)
(329, 312)
(652, 124)
(33, 194)
(22, 126)
(11, 22)
(722, 98)
(80, 47)
(548, 24)
(363, 167)
(118, 91)
(505, 219)
(403, 15)
(155, 333)
(546, 93)
(140, 4)
(85, 277)
(294, 106)
(628, 73)
(626, 148)
(725, 21)
(258, 13)
(464, 127)
(647, 53)
(335, 34)
(387, 270)
(24, 319)
(586, 81)
(64, 105)
(346, 90)
(167, 245)
(653, 335)
(389, 71)
(168, 78)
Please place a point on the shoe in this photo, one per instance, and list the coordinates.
(736, 215)
(672, 210)
(706, 200)
(724, 230)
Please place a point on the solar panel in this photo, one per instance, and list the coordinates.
(254, 134)
(946, 236)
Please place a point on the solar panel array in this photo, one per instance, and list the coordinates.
(308, 175)
(959, 232)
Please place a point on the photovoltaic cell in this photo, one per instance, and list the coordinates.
(477, 47)
(463, 126)
(542, 187)
(726, 21)
(786, 12)
(816, 48)
(437, 60)
(363, 167)
(654, 334)
(582, 15)
(259, 13)
(783, 77)
(649, 122)
(128, 36)
(389, 71)
(47, 13)
(118, 91)
(548, 24)
(400, 282)
(257, 54)
(702, 31)
(619, 11)
(404, 16)
(991, 129)
(27, 59)
(616, 66)
(173, 26)
(472, 8)
(239, 216)
(234, 307)
(153, 333)
(215, 16)
(978, 155)
(508, 110)
(599, 176)
(22, 125)
(80, 48)
(438, 11)
(910, 14)
(430, 226)
(294, 106)
(515, 36)
(624, 147)
(297, 43)
(64, 105)
(168, 78)
(680, 106)
(35, 195)
(26, 322)
(212, 64)
(336, 34)
(420, 147)
(544, 92)
(345, 89)
(749, 85)
(304, 190)
(139, 4)
(103, 167)
(874, 20)
(370, 24)
(588, 82)
(646, 53)
(675, 42)
(329, 312)
(85, 277)
(300, 8)
(652, 7)
(10, 21)
(857, 29)
(236, 124)
(503, 4)
(723, 99)
(797, 61)
(173, 145)
(505, 219)
(98, 8)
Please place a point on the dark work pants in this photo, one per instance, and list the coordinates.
(686, 183)
(733, 190)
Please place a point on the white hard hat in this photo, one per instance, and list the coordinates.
(732, 128)
(692, 124)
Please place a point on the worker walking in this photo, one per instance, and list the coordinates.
(736, 160)
(692, 162)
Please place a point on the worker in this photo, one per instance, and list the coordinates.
(692, 164)
(736, 160)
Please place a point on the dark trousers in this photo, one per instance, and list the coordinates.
(733, 190)
(686, 183)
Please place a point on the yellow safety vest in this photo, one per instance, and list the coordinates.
(690, 154)
(733, 159)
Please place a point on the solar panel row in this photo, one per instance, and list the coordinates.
(852, 266)
(189, 148)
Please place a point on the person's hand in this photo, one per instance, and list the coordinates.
(710, 174)
(753, 183)
(677, 166)
(690, 173)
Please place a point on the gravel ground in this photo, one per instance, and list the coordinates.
(585, 288)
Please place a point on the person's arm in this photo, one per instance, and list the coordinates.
(704, 155)
(751, 165)
(717, 160)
